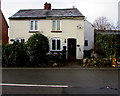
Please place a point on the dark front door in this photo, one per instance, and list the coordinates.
(71, 49)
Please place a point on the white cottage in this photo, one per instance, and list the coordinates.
(63, 27)
(89, 38)
(119, 15)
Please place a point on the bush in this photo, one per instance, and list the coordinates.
(107, 45)
(14, 55)
(97, 62)
(37, 47)
(54, 60)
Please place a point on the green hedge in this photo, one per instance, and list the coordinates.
(107, 45)
(14, 55)
(32, 53)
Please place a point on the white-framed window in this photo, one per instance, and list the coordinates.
(56, 44)
(56, 25)
(86, 42)
(18, 40)
(34, 25)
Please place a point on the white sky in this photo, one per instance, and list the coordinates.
(89, 8)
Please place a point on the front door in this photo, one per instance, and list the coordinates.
(71, 49)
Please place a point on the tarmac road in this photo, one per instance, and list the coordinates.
(77, 80)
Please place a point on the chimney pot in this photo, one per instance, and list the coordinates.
(47, 6)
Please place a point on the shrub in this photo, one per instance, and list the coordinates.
(106, 45)
(97, 62)
(14, 55)
(54, 60)
(37, 47)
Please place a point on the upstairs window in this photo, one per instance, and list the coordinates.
(56, 44)
(34, 25)
(56, 25)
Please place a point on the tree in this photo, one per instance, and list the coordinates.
(37, 47)
(102, 23)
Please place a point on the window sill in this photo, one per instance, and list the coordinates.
(56, 31)
(35, 31)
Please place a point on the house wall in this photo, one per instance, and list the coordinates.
(89, 35)
(0, 27)
(119, 14)
(20, 29)
(3, 30)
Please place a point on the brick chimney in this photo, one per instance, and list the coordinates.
(47, 6)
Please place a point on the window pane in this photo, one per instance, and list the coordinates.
(53, 44)
(22, 40)
(54, 25)
(17, 40)
(36, 25)
(58, 44)
(58, 25)
(31, 25)
(86, 42)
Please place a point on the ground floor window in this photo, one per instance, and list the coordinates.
(18, 40)
(86, 42)
(56, 44)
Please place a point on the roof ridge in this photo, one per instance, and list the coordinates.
(65, 9)
(51, 9)
(31, 9)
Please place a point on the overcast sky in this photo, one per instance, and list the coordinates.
(89, 8)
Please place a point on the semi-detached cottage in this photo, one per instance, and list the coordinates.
(63, 27)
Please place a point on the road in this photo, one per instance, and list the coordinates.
(0, 68)
(77, 80)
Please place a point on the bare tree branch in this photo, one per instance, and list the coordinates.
(102, 23)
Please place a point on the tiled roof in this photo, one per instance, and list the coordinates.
(41, 13)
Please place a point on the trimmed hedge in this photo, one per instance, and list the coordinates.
(107, 45)
(14, 55)
(33, 53)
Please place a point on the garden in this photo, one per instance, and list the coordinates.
(106, 50)
(34, 53)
